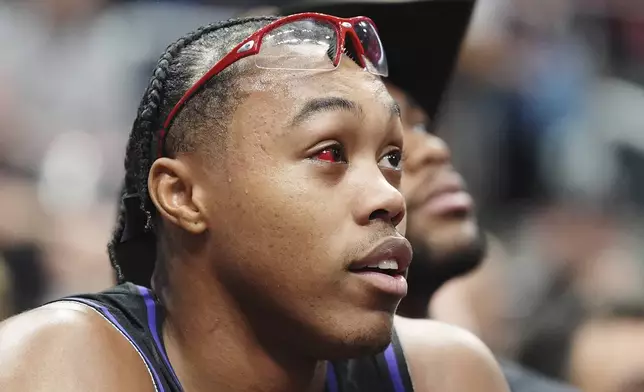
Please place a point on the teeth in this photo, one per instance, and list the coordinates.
(385, 265)
(388, 264)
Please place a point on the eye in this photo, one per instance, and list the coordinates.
(332, 154)
(392, 160)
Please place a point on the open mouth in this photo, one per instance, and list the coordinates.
(386, 267)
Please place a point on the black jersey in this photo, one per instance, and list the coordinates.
(137, 314)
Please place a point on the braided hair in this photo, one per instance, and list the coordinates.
(132, 248)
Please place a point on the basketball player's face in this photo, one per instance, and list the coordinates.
(305, 198)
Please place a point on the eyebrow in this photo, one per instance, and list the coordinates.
(326, 104)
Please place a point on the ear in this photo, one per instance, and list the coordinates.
(174, 192)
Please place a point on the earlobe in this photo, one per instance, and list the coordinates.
(172, 190)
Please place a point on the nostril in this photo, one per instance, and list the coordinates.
(398, 218)
(379, 214)
(385, 215)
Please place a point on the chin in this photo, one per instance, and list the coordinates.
(452, 238)
(356, 336)
(439, 259)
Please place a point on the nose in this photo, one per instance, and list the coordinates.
(425, 149)
(377, 199)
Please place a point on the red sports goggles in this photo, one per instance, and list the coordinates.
(315, 42)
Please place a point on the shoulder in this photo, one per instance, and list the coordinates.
(447, 358)
(68, 346)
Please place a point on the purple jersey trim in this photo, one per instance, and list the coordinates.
(104, 311)
(331, 378)
(152, 324)
(394, 371)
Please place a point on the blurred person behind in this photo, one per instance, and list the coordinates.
(442, 224)
(448, 242)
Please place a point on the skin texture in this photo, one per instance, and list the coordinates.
(257, 246)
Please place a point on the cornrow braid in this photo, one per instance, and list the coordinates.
(177, 69)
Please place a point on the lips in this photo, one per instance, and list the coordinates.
(384, 267)
(446, 196)
(392, 254)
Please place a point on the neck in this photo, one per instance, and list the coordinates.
(415, 305)
(213, 345)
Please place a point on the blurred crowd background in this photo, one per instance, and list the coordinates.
(545, 118)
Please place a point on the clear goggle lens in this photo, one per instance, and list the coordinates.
(312, 45)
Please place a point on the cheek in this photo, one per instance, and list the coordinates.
(280, 220)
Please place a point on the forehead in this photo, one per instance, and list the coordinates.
(285, 91)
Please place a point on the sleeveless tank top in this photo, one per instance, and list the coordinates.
(137, 314)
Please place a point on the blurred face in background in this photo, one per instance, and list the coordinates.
(441, 222)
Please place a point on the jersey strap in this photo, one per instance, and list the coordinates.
(154, 324)
(385, 372)
(392, 362)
